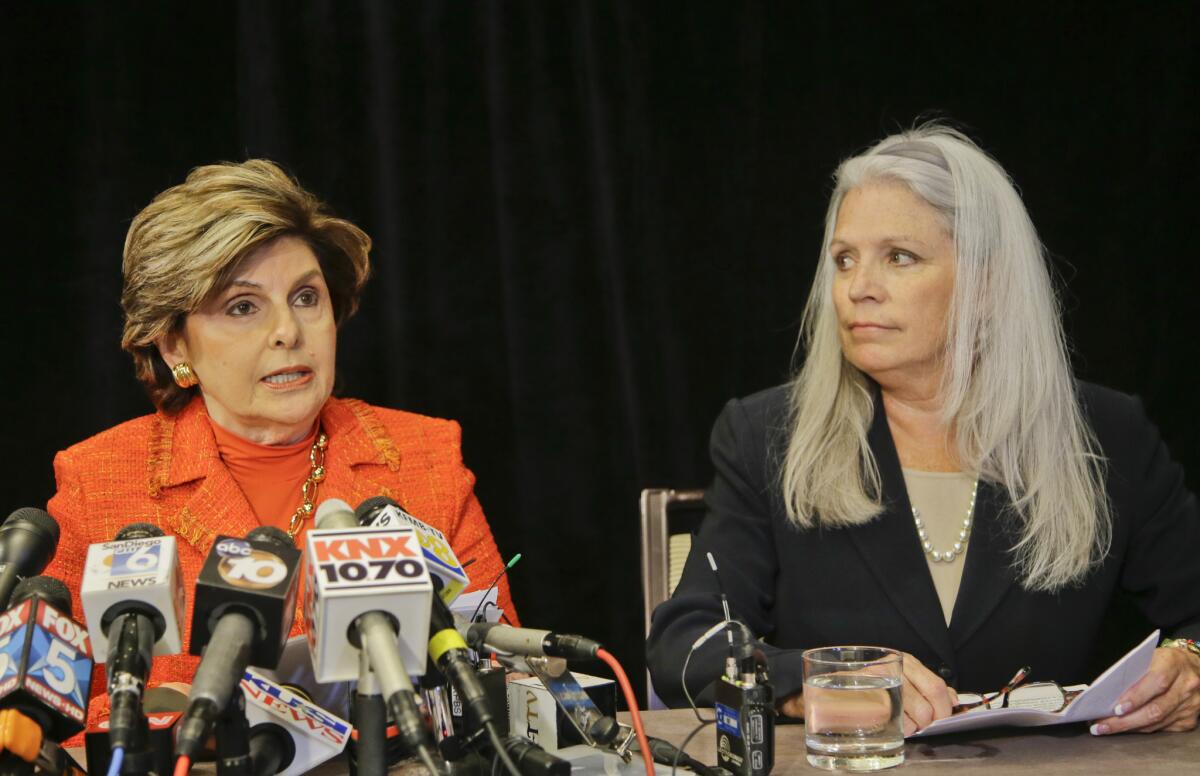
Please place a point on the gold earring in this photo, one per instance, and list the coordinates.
(183, 374)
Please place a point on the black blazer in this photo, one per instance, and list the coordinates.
(870, 584)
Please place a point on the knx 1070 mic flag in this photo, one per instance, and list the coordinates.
(358, 570)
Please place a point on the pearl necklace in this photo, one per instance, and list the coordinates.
(963, 535)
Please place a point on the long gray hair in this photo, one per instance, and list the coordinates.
(1007, 388)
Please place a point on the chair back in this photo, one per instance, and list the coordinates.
(669, 518)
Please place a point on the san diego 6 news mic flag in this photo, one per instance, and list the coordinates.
(134, 576)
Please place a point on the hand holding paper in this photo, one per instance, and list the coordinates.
(1166, 698)
(1095, 702)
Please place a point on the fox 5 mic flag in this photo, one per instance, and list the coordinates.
(46, 659)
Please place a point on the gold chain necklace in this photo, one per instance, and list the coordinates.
(308, 491)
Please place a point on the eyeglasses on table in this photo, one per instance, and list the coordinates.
(1042, 696)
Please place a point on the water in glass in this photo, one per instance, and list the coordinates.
(852, 717)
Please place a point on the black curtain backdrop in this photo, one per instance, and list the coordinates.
(594, 221)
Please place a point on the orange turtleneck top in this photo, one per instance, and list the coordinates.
(270, 476)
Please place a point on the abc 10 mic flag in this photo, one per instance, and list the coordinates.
(352, 571)
(250, 575)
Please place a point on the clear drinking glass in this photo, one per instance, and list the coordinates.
(852, 709)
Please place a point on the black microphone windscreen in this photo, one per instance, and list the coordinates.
(269, 533)
(138, 531)
(49, 589)
(40, 518)
(374, 504)
(296, 689)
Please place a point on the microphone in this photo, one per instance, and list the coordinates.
(505, 639)
(369, 587)
(369, 755)
(289, 734)
(45, 658)
(244, 603)
(383, 512)
(532, 760)
(449, 652)
(25, 750)
(447, 649)
(132, 594)
(28, 539)
(159, 735)
(354, 570)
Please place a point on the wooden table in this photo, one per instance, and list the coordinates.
(1061, 749)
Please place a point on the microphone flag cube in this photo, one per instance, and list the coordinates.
(46, 660)
(132, 574)
(545, 717)
(160, 743)
(256, 577)
(439, 556)
(317, 734)
(352, 571)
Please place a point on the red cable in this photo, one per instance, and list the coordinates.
(631, 702)
(183, 765)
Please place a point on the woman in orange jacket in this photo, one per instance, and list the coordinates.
(235, 284)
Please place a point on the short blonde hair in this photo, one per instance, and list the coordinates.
(185, 246)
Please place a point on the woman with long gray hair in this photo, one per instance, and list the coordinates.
(934, 479)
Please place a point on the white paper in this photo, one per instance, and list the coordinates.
(468, 603)
(295, 667)
(1095, 702)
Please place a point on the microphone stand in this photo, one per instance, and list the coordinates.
(232, 731)
(370, 720)
(131, 642)
(139, 759)
(436, 692)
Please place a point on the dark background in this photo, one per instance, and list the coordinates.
(594, 222)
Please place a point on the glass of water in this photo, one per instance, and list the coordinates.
(852, 711)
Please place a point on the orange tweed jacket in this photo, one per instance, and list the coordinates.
(166, 471)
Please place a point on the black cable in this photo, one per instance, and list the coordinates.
(687, 693)
(688, 658)
(501, 752)
(666, 753)
(428, 761)
(686, 741)
(495, 582)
